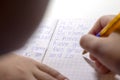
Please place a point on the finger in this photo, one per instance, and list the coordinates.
(51, 72)
(92, 57)
(89, 43)
(40, 75)
(96, 46)
(101, 68)
(102, 22)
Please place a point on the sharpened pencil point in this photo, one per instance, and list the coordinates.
(84, 52)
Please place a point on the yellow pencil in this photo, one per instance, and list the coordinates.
(112, 26)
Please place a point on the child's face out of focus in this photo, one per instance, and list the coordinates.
(18, 20)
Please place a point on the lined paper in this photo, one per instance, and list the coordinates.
(37, 45)
(64, 52)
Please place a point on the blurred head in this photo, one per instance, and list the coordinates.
(18, 20)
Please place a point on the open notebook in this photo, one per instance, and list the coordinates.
(56, 43)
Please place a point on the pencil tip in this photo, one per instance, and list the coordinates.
(84, 52)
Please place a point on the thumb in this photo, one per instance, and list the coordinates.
(94, 45)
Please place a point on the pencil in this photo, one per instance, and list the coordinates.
(109, 28)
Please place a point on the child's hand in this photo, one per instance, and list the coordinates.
(15, 67)
(105, 51)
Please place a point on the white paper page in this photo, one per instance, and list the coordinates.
(65, 55)
(38, 43)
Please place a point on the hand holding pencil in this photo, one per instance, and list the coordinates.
(104, 50)
(109, 28)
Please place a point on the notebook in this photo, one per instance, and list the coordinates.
(56, 43)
